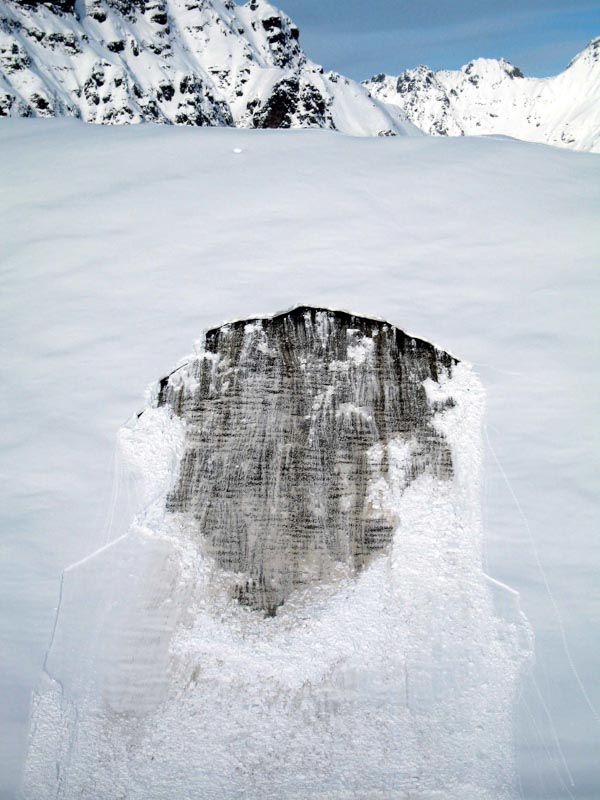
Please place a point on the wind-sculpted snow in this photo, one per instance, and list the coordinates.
(489, 96)
(299, 609)
(183, 62)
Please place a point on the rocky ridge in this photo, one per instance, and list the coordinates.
(489, 96)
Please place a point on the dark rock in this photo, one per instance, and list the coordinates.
(290, 102)
(272, 23)
(287, 422)
(514, 72)
(116, 47)
(165, 92)
(280, 106)
(128, 8)
(40, 103)
(199, 106)
(58, 6)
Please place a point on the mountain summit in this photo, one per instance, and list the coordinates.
(185, 62)
(489, 96)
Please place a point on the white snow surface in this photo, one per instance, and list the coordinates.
(489, 96)
(487, 247)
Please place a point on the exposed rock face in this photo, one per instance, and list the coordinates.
(298, 610)
(183, 62)
(489, 96)
(287, 420)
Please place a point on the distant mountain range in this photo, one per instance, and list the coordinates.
(494, 97)
(212, 62)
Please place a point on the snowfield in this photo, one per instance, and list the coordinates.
(120, 245)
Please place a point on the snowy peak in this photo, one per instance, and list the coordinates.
(184, 62)
(57, 6)
(491, 69)
(492, 96)
(590, 55)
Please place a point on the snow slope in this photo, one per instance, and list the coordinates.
(187, 62)
(488, 248)
(488, 96)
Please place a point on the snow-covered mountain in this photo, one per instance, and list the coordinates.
(188, 62)
(212, 62)
(488, 96)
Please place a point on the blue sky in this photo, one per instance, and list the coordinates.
(361, 37)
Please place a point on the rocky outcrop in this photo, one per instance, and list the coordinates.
(287, 420)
